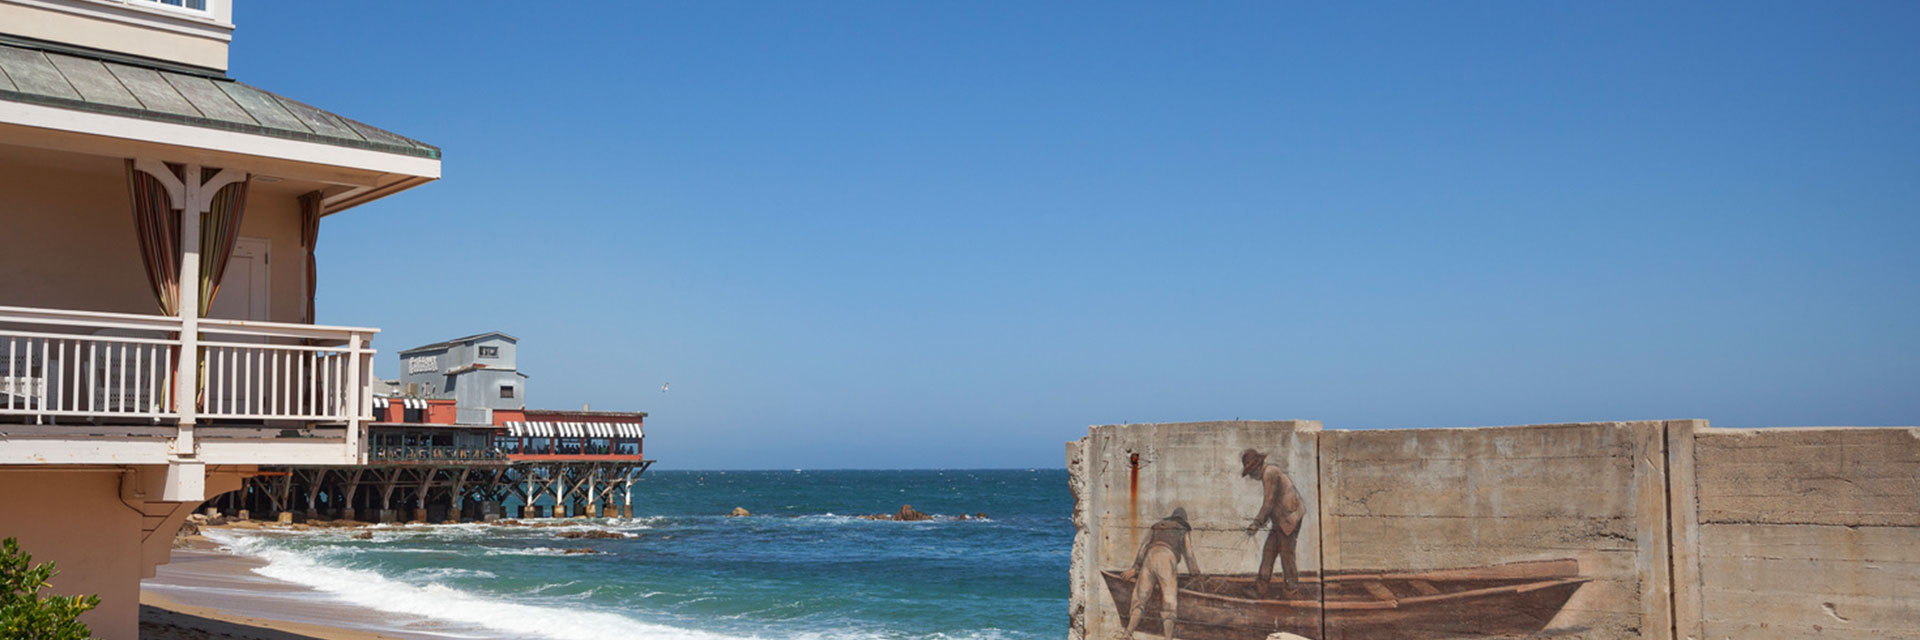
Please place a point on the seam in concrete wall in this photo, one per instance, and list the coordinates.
(1666, 470)
(1319, 528)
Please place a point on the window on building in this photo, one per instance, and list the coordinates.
(506, 391)
(489, 352)
(197, 5)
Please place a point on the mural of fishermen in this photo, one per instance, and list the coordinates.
(1280, 506)
(1512, 599)
(1166, 545)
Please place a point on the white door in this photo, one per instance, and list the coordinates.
(244, 291)
(244, 295)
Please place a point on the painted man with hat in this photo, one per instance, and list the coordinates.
(1280, 504)
(1166, 545)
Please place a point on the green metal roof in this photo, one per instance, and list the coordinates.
(55, 77)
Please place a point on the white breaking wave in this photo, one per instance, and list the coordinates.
(534, 551)
(374, 591)
(435, 574)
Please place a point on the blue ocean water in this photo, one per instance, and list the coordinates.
(800, 567)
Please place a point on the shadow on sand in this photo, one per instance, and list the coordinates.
(164, 624)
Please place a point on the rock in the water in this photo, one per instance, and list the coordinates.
(591, 534)
(364, 535)
(578, 551)
(908, 514)
(740, 512)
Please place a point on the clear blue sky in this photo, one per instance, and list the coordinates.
(905, 235)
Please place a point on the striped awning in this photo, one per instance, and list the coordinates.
(574, 430)
(415, 403)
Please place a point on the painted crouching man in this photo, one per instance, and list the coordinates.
(1281, 506)
(1166, 545)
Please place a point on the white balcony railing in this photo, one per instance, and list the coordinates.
(61, 366)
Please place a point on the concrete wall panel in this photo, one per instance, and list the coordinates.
(1437, 499)
(1808, 532)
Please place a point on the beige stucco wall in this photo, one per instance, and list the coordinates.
(70, 242)
(100, 528)
(152, 33)
(76, 520)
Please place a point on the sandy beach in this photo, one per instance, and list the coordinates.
(206, 593)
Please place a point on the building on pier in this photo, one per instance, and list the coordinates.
(428, 460)
(479, 372)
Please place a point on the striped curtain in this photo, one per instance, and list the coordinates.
(219, 231)
(310, 238)
(158, 226)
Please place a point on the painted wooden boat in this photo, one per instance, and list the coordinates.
(1514, 599)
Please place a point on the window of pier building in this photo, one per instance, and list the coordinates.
(507, 444)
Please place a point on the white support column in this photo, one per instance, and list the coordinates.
(355, 388)
(593, 493)
(186, 474)
(187, 307)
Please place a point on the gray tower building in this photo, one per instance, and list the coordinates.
(477, 372)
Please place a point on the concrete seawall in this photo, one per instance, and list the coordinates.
(1649, 529)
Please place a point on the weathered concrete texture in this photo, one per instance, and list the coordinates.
(1677, 530)
(1077, 569)
(1127, 477)
(1804, 533)
(1424, 499)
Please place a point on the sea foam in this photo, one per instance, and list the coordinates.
(374, 591)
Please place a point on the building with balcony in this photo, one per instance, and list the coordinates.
(157, 271)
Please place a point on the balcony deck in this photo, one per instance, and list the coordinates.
(84, 387)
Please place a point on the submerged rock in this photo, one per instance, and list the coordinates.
(739, 512)
(578, 551)
(364, 535)
(591, 534)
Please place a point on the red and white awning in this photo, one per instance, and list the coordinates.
(405, 403)
(574, 430)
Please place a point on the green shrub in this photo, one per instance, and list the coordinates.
(23, 613)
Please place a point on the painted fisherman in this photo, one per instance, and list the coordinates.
(1280, 506)
(1166, 545)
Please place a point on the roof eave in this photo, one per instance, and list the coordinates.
(67, 126)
